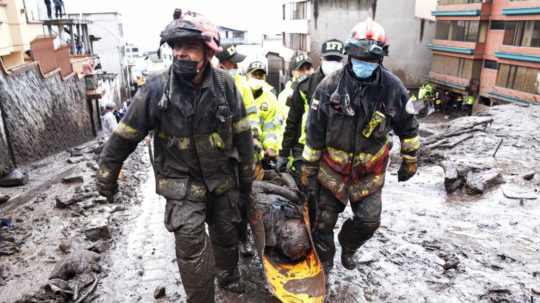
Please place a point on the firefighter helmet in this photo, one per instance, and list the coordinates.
(367, 39)
(192, 25)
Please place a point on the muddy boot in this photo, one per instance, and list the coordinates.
(245, 250)
(230, 281)
(347, 258)
(327, 267)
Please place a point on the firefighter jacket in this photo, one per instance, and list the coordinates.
(294, 135)
(249, 103)
(201, 136)
(267, 104)
(347, 131)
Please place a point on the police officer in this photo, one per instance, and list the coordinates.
(228, 60)
(268, 109)
(294, 135)
(346, 153)
(202, 137)
(302, 67)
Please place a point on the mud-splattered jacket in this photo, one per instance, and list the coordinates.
(200, 137)
(344, 137)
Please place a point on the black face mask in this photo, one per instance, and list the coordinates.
(185, 69)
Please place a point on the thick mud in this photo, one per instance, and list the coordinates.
(431, 246)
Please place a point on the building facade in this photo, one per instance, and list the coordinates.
(488, 48)
(232, 36)
(307, 24)
(17, 30)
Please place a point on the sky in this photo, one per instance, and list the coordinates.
(144, 20)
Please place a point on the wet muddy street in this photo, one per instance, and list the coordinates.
(431, 247)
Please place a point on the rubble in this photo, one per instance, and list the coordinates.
(159, 292)
(479, 182)
(97, 233)
(4, 198)
(73, 179)
(14, 178)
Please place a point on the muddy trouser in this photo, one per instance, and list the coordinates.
(243, 225)
(354, 232)
(197, 259)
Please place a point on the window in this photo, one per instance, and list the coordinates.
(490, 64)
(461, 30)
(295, 11)
(497, 25)
(295, 41)
(525, 79)
(456, 67)
(522, 33)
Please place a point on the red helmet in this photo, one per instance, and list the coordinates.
(192, 25)
(367, 39)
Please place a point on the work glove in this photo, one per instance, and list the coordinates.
(308, 177)
(407, 168)
(281, 164)
(246, 177)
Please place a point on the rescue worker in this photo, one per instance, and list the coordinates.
(109, 120)
(301, 66)
(203, 155)
(228, 60)
(267, 105)
(459, 103)
(346, 153)
(294, 137)
(469, 104)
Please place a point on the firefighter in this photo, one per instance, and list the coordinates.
(203, 155)
(346, 152)
(268, 110)
(228, 60)
(294, 137)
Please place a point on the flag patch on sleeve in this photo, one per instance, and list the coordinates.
(315, 104)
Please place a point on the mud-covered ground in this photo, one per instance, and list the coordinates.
(431, 246)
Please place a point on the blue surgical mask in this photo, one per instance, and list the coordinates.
(363, 69)
(233, 72)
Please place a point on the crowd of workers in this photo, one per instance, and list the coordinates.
(445, 101)
(215, 131)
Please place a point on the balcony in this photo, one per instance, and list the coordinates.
(449, 81)
(458, 48)
(517, 57)
(459, 9)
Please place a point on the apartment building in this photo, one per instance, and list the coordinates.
(17, 29)
(488, 48)
(308, 23)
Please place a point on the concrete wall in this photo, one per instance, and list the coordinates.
(43, 116)
(409, 59)
(5, 161)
